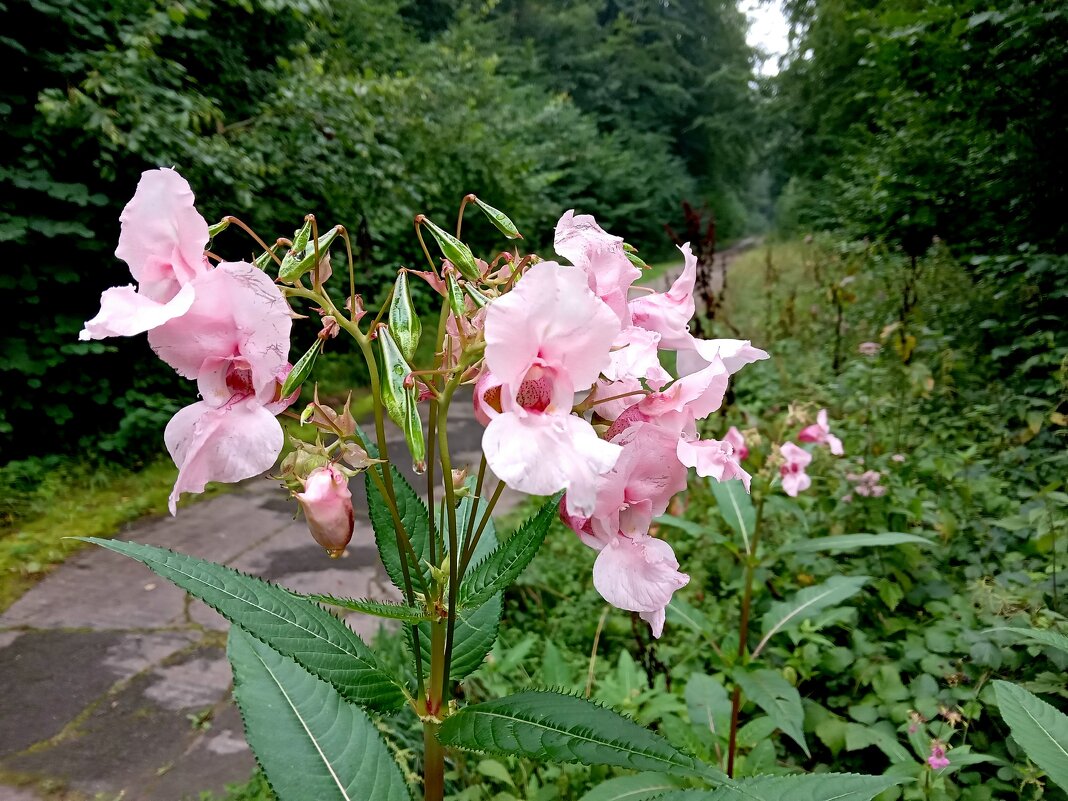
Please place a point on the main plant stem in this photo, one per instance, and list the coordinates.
(433, 752)
(751, 563)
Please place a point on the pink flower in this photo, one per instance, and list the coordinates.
(634, 355)
(735, 354)
(668, 313)
(794, 477)
(820, 432)
(639, 574)
(937, 760)
(737, 441)
(580, 240)
(712, 459)
(898, 457)
(867, 484)
(546, 339)
(234, 341)
(327, 506)
(162, 240)
(869, 348)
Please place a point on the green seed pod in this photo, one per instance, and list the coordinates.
(455, 295)
(480, 300)
(298, 262)
(218, 228)
(455, 251)
(400, 397)
(404, 323)
(264, 260)
(499, 219)
(302, 369)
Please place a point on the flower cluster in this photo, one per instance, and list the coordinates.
(796, 459)
(226, 327)
(574, 398)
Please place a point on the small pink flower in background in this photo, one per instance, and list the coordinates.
(162, 240)
(869, 348)
(867, 483)
(327, 505)
(937, 760)
(820, 432)
(712, 459)
(599, 254)
(737, 441)
(668, 313)
(546, 339)
(792, 472)
(898, 457)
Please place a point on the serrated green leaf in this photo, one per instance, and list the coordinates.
(413, 515)
(854, 542)
(806, 603)
(810, 787)
(312, 744)
(292, 625)
(562, 728)
(474, 636)
(778, 698)
(736, 507)
(1039, 729)
(639, 787)
(386, 609)
(504, 564)
(499, 219)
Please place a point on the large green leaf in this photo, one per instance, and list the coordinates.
(312, 744)
(736, 507)
(1040, 636)
(854, 542)
(809, 787)
(678, 611)
(289, 623)
(563, 728)
(413, 514)
(504, 564)
(639, 787)
(780, 699)
(1038, 728)
(474, 636)
(709, 705)
(806, 603)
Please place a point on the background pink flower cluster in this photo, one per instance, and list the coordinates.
(574, 397)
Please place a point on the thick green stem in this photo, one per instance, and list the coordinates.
(433, 753)
(450, 503)
(751, 563)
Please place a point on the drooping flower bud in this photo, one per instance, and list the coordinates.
(327, 506)
(401, 401)
(453, 249)
(404, 323)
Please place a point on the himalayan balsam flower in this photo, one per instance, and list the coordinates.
(937, 760)
(867, 483)
(162, 240)
(794, 477)
(327, 505)
(820, 432)
(234, 341)
(546, 339)
(737, 441)
(869, 348)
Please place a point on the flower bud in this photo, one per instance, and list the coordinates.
(454, 250)
(455, 295)
(499, 219)
(401, 401)
(218, 228)
(327, 506)
(404, 323)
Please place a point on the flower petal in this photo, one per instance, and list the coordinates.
(125, 312)
(669, 313)
(638, 574)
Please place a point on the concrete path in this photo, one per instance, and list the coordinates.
(114, 684)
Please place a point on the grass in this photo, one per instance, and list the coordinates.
(72, 500)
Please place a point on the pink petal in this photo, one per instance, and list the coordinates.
(634, 355)
(228, 444)
(125, 312)
(550, 317)
(163, 236)
(811, 433)
(735, 354)
(638, 574)
(737, 441)
(793, 483)
(712, 459)
(655, 619)
(795, 455)
(540, 454)
(699, 393)
(669, 313)
(580, 240)
(238, 311)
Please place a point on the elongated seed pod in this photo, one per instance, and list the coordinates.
(404, 323)
(401, 397)
(455, 251)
